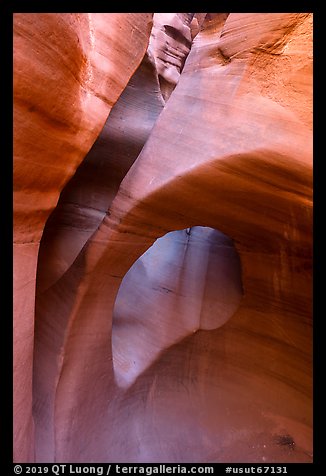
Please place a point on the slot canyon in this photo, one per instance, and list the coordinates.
(163, 237)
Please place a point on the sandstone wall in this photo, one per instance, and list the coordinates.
(173, 304)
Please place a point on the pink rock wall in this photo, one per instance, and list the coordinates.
(200, 349)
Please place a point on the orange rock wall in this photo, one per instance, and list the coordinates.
(68, 72)
(136, 357)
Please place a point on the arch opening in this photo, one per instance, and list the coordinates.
(188, 280)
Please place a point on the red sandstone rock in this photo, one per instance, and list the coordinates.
(84, 204)
(67, 75)
(89, 194)
(231, 151)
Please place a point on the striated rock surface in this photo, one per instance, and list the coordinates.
(173, 304)
(169, 46)
(87, 197)
(67, 75)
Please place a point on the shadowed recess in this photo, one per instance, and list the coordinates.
(188, 280)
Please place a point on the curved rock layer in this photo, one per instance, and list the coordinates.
(169, 46)
(80, 210)
(119, 373)
(68, 72)
(89, 194)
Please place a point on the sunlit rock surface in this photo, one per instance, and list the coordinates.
(174, 292)
(68, 72)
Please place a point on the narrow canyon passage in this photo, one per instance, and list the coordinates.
(163, 238)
